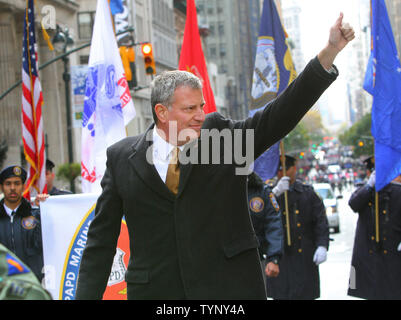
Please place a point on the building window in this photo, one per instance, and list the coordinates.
(210, 7)
(83, 59)
(222, 68)
(223, 51)
(85, 24)
(213, 52)
(211, 29)
(221, 29)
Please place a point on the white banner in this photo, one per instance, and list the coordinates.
(65, 222)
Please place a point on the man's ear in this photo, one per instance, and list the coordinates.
(161, 112)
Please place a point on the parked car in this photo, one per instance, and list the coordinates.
(326, 193)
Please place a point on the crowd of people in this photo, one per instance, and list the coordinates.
(192, 233)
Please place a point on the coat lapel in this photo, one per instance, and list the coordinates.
(146, 170)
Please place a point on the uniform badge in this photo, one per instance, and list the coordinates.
(256, 204)
(274, 201)
(17, 171)
(29, 223)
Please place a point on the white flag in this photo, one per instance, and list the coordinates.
(108, 105)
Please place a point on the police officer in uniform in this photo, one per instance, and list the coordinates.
(266, 220)
(376, 257)
(308, 243)
(51, 189)
(20, 229)
(369, 163)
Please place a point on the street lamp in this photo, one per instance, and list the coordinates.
(61, 41)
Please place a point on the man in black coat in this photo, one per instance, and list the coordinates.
(192, 238)
(308, 242)
(375, 266)
(266, 220)
(20, 229)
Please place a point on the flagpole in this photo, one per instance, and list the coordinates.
(376, 203)
(286, 212)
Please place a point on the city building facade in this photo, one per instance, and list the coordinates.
(231, 44)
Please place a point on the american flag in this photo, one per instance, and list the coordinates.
(32, 100)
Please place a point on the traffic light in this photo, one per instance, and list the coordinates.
(301, 155)
(360, 143)
(128, 59)
(147, 52)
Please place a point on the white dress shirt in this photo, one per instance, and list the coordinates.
(162, 154)
(10, 211)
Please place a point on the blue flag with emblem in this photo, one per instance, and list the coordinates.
(274, 71)
(383, 82)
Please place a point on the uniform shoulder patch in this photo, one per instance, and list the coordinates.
(15, 266)
(274, 201)
(256, 204)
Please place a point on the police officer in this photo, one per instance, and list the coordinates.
(376, 257)
(52, 190)
(308, 243)
(266, 220)
(369, 164)
(17, 282)
(20, 229)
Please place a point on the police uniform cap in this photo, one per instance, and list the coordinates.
(12, 171)
(370, 163)
(49, 165)
(289, 162)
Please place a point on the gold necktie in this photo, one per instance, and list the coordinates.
(173, 172)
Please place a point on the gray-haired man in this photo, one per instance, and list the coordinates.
(191, 236)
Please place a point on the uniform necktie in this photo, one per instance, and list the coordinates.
(173, 172)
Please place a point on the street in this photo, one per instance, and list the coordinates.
(334, 273)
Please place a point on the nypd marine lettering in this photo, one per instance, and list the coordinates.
(69, 281)
(80, 246)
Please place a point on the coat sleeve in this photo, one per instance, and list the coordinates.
(37, 236)
(273, 230)
(102, 240)
(320, 221)
(360, 198)
(283, 113)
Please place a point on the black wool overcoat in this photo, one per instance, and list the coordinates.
(375, 265)
(199, 244)
(299, 276)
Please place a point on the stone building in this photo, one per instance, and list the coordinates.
(51, 12)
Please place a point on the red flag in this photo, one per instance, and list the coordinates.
(32, 101)
(192, 58)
